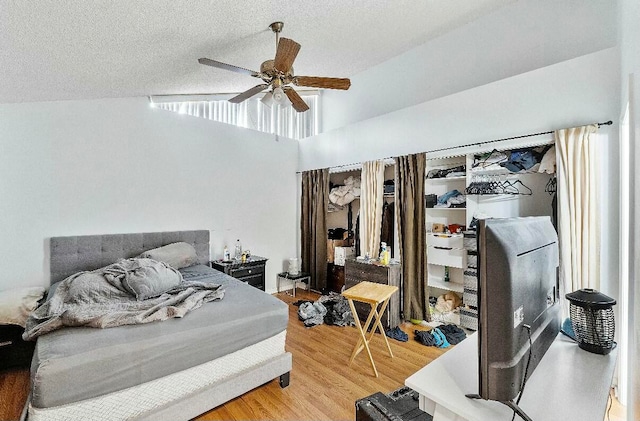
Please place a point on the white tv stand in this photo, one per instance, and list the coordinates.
(568, 384)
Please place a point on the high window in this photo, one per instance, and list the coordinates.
(251, 114)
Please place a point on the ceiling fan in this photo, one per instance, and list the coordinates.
(277, 75)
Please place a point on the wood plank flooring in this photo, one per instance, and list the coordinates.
(323, 386)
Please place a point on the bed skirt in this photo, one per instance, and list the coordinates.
(185, 394)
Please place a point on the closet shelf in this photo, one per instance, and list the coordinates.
(437, 282)
(502, 171)
(441, 179)
(447, 209)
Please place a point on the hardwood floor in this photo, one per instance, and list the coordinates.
(323, 386)
(14, 389)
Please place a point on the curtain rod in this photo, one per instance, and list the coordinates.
(606, 123)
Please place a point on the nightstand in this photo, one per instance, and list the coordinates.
(14, 352)
(252, 271)
(300, 277)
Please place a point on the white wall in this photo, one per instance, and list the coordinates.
(522, 36)
(575, 92)
(630, 92)
(118, 166)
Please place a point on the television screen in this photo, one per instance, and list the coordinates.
(518, 301)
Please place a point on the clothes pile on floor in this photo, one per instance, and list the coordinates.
(331, 309)
(397, 334)
(441, 336)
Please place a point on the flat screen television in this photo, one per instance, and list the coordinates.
(518, 303)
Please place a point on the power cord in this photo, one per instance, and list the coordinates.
(526, 369)
(610, 404)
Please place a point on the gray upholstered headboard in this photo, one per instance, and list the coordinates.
(88, 252)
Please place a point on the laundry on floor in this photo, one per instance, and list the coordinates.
(312, 314)
(397, 334)
(331, 309)
(441, 336)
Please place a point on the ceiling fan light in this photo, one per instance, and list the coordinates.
(267, 99)
(279, 97)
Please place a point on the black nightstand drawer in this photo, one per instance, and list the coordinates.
(254, 280)
(251, 271)
(241, 272)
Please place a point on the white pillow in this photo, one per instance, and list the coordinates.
(16, 304)
(176, 255)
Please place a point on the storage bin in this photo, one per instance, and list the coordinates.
(470, 298)
(447, 257)
(454, 241)
(469, 318)
(470, 242)
(472, 260)
(471, 280)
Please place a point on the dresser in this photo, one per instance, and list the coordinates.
(252, 271)
(356, 272)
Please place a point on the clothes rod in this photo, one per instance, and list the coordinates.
(606, 123)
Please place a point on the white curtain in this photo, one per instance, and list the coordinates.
(371, 201)
(578, 208)
(252, 114)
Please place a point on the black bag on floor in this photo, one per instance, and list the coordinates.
(401, 404)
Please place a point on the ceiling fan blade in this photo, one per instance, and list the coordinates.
(225, 66)
(322, 82)
(248, 93)
(286, 54)
(296, 101)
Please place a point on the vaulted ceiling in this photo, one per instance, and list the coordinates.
(85, 49)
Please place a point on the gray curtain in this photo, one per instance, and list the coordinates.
(313, 225)
(410, 173)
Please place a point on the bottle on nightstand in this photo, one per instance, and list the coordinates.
(238, 250)
(226, 256)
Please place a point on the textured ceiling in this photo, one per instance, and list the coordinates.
(82, 49)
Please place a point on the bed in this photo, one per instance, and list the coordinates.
(175, 369)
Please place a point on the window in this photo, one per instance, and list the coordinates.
(251, 114)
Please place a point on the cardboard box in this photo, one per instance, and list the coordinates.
(331, 246)
(343, 253)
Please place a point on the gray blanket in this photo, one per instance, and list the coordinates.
(104, 298)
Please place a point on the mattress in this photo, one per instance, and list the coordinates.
(141, 400)
(79, 363)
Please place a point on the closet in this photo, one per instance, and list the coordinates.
(462, 188)
(341, 226)
(343, 243)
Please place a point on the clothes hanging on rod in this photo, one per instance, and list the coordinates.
(494, 185)
(386, 232)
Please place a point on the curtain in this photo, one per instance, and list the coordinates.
(578, 208)
(313, 225)
(410, 206)
(253, 114)
(371, 201)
